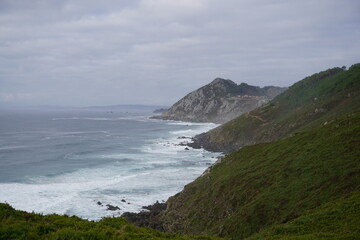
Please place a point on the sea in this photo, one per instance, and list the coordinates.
(81, 161)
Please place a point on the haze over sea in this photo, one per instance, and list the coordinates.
(65, 161)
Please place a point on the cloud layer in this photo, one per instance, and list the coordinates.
(154, 51)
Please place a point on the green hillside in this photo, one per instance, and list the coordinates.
(266, 184)
(27, 226)
(308, 103)
(337, 220)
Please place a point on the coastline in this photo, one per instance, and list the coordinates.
(147, 217)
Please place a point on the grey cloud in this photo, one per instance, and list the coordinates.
(155, 51)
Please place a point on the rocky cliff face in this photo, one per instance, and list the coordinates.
(219, 102)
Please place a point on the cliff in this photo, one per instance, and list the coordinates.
(219, 102)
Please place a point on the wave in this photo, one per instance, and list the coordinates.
(192, 124)
(182, 131)
(77, 193)
(14, 147)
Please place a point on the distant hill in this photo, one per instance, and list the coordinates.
(120, 107)
(160, 110)
(311, 102)
(219, 101)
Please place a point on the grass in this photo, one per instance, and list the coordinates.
(337, 220)
(307, 104)
(266, 184)
(16, 224)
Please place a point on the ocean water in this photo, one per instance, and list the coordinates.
(66, 161)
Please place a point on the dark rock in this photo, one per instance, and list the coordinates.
(183, 137)
(99, 203)
(123, 200)
(112, 208)
(147, 218)
(196, 142)
(187, 148)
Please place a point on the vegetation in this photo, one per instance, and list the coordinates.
(339, 219)
(308, 103)
(27, 226)
(266, 184)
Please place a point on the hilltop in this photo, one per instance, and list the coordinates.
(313, 101)
(219, 101)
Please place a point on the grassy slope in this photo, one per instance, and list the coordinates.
(21, 225)
(306, 104)
(270, 183)
(337, 220)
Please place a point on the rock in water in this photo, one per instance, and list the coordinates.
(112, 208)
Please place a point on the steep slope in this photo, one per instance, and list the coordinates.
(266, 184)
(313, 101)
(338, 219)
(219, 101)
(22, 225)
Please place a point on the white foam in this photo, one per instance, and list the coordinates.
(154, 172)
(176, 143)
(77, 193)
(14, 147)
(190, 123)
(188, 131)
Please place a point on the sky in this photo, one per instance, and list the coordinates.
(90, 52)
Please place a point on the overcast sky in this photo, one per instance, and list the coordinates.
(90, 52)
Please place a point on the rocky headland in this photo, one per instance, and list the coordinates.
(219, 101)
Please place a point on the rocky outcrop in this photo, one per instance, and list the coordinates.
(147, 218)
(219, 102)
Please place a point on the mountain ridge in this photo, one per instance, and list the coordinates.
(219, 101)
